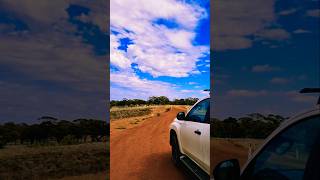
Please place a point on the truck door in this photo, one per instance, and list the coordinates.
(193, 132)
(205, 142)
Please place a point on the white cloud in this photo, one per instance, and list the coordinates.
(273, 34)
(129, 85)
(238, 24)
(180, 39)
(234, 21)
(199, 93)
(279, 80)
(313, 13)
(144, 11)
(56, 58)
(43, 11)
(301, 98)
(264, 68)
(157, 49)
(300, 31)
(162, 61)
(118, 57)
(48, 12)
(154, 48)
(99, 13)
(246, 93)
(287, 12)
(50, 53)
(245, 101)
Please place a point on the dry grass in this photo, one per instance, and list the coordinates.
(131, 120)
(43, 162)
(119, 113)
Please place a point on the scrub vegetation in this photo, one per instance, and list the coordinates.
(154, 100)
(256, 126)
(43, 162)
(52, 131)
(54, 148)
(240, 137)
(120, 113)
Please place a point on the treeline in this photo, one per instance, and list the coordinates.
(154, 100)
(52, 130)
(255, 125)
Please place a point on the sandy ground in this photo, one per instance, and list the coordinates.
(224, 149)
(128, 123)
(143, 151)
(98, 176)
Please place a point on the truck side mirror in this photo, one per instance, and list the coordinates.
(181, 116)
(227, 170)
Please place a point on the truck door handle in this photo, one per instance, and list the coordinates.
(197, 132)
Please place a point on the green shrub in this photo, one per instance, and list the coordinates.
(68, 140)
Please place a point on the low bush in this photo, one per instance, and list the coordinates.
(130, 112)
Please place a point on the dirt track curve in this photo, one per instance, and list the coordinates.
(143, 152)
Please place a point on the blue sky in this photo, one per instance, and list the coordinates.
(159, 51)
(53, 55)
(53, 59)
(273, 52)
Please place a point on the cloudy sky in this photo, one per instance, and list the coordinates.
(54, 55)
(263, 53)
(159, 48)
(53, 59)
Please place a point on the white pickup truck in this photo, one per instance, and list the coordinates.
(190, 139)
(291, 152)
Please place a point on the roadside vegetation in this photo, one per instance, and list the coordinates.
(127, 117)
(43, 162)
(53, 148)
(130, 108)
(51, 131)
(119, 113)
(255, 126)
(240, 137)
(154, 100)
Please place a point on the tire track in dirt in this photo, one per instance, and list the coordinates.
(144, 152)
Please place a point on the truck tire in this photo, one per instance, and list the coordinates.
(175, 151)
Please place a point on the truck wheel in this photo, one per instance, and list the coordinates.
(175, 151)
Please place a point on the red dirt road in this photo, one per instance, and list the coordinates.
(144, 152)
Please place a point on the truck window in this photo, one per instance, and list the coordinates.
(285, 156)
(199, 112)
